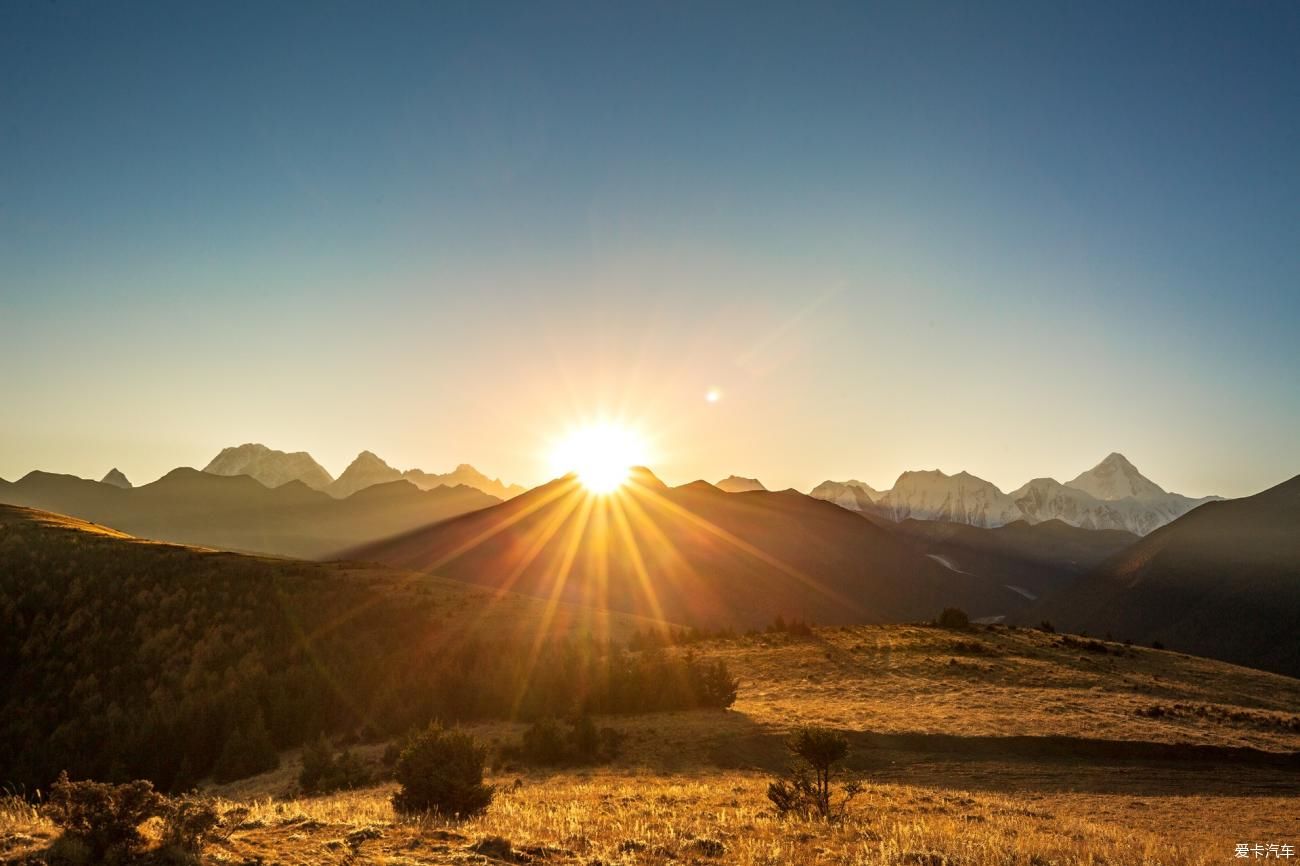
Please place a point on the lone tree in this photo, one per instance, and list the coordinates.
(806, 789)
(953, 617)
(442, 771)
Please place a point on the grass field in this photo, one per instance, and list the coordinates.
(991, 746)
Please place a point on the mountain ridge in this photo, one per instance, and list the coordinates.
(1111, 495)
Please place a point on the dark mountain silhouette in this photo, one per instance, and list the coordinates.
(1032, 559)
(239, 513)
(1221, 581)
(693, 554)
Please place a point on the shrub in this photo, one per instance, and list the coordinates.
(104, 818)
(323, 771)
(189, 822)
(1046, 626)
(442, 771)
(806, 789)
(953, 617)
(546, 743)
(713, 684)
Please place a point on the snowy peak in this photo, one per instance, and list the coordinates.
(852, 494)
(272, 468)
(365, 471)
(960, 498)
(1111, 495)
(116, 479)
(739, 484)
(1116, 478)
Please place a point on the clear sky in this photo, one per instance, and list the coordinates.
(1003, 238)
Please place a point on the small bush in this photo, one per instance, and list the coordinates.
(806, 789)
(323, 771)
(1046, 626)
(104, 818)
(442, 771)
(189, 823)
(953, 617)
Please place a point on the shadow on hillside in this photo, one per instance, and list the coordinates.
(1052, 764)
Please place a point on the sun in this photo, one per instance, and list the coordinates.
(602, 455)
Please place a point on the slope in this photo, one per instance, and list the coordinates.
(693, 554)
(1222, 581)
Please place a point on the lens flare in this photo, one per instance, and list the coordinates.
(602, 455)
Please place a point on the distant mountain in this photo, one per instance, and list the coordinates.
(365, 471)
(116, 478)
(1222, 581)
(1116, 478)
(960, 498)
(739, 484)
(272, 468)
(694, 554)
(463, 474)
(854, 495)
(240, 513)
(1111, 495)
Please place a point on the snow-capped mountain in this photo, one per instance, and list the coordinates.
(116, 478)
(960, 498)
(1116, 478)
(739, 484)
(366, 470)
(852, 494)
(1111, 495)
(272, 468)
(463, 474)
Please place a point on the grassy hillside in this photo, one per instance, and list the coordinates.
(1045, 758)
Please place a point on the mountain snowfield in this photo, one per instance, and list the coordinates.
(1111, 495)
(275, 468)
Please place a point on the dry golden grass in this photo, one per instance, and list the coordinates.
(914, 679)
(623, 818)
(666, 801)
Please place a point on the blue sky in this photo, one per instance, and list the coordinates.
(1004, 238)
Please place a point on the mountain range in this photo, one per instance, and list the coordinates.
(241, 513)
(275, 468)
(1113, 495)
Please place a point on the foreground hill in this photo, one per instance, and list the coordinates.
(695, 554)
(1222, 581)
(239, 513)
(987, 747)
(126, 658)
